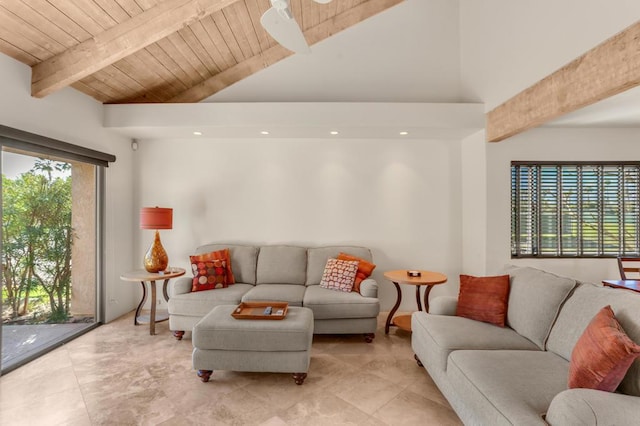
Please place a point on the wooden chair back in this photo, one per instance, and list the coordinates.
(629, 268)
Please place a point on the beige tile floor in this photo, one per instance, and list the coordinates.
(120, 375)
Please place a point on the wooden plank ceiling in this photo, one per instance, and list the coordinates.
(154, 51)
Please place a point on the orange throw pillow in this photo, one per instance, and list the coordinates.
(217, 255)
(364, 269)
(602, 355)
(484, 298)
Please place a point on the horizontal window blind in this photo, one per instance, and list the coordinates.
(21, 140)
(575, 209)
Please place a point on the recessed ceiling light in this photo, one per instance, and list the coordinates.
(264, 132)
(197, 133)
(334, 132)
(404, 133)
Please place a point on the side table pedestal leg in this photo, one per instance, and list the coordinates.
(152, 316)
(394, 309)
(426, 298)
(141, 304)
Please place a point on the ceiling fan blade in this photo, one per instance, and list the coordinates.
(323, 1)
(285, 31)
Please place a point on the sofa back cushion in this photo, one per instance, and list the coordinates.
(243, 260)
(535, 298)
(317, 259)
(281, 265)
(578, 311)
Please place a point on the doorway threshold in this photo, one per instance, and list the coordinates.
(24, 343)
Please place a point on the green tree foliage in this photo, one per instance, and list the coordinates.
(37, 238)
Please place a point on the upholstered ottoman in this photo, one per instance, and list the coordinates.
(222, 342)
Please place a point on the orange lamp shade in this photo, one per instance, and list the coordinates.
(156, 218)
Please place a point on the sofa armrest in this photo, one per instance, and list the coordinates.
(181, 285)
(369, 288)
(593, 407)
(443, 305)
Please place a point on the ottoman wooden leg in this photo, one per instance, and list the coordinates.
(299, 378)
(178, 334)
(368, 337)
(204, 375)
(418, 360)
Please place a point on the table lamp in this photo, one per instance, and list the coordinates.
(156, 259)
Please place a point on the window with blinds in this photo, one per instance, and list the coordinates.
(575, 209)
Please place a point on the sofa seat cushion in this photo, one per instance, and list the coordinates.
(505, 387)
(442, 334)
(289, 293)
(200, 303)
(331, 304)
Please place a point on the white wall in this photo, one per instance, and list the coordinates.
(557, 145)
(398, 197)
(474, 204)
(408, 53)
(506, 45)
(73, 117)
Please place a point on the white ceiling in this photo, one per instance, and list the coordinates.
(622, 110)
(410, 53)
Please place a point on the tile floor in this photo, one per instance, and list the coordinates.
(120, 375)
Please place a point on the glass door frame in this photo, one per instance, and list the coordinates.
(34, 145)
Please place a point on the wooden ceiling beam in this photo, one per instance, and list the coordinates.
(276, 53)
(118, 42)
(606, 70)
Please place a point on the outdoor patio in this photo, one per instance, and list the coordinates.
(20, 342)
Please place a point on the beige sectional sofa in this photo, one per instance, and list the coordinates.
(284, 273)
(518, 375)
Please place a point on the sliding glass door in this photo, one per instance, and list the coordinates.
(50, 252)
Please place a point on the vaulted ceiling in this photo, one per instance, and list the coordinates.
(157, 51)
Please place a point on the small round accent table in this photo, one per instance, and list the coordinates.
(426, 278)
(142, 276)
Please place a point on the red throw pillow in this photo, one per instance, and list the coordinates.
(365, 269)
(208, 274)
(602, 355)
(218, 255)
(484, 298)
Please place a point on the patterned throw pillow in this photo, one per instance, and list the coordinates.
(218, 255)
(208, 274)
(365, 269)
(602, 355)
(339, 274)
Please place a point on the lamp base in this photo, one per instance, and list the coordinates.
(156, 259)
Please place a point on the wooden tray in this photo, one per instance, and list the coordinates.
(255, 310)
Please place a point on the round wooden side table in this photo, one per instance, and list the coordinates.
(426, 278)
(142, 276)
